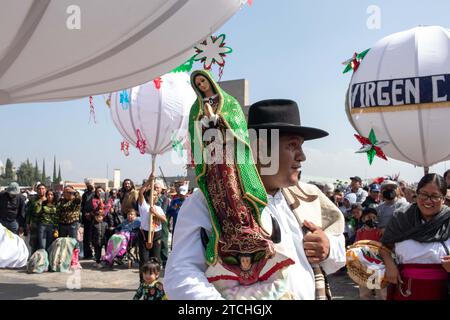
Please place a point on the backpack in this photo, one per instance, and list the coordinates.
(61, 252)
(38, 262)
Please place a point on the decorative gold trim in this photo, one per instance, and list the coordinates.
(409, 107)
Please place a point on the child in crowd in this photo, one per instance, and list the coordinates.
(355, 220)
(124, 233)
(99, 237)
(370, 231)
(150, 288)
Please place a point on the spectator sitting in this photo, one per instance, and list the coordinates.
(118, 242)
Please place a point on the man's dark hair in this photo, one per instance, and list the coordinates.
(41, 185)
(131, 182)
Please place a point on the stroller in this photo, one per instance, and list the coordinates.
(122, 248)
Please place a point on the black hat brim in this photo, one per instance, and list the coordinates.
(306, 133)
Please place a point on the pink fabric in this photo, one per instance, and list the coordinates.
(75, 262)
(116, 248)
(424, 271)
(420, 282)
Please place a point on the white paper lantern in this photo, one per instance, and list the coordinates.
(402, 91)
(157, 115)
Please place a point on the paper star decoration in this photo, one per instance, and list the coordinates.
(141, 143)
(124, 99)
(177, 145)
(354, 62)
(157, 82)
(371, 146)
(212, 50)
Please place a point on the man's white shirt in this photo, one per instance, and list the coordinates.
(184, 275)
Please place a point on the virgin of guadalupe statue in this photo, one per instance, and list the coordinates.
(239, 252)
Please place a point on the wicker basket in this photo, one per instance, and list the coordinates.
(357, 271)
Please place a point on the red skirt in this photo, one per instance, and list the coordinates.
(420, 282)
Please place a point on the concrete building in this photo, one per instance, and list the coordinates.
(116, 179)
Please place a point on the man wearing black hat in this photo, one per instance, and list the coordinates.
(311, 225)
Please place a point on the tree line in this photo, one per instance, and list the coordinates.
(28, 174)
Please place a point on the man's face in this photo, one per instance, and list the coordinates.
(290, 158)
(338, 196)
(89, 186)
(375, 195)
(127, 185)
(41, 191)
(355, 184)
(158, 189)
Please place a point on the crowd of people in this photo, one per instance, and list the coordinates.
(107, 224)
(369, 209)
(104, 224)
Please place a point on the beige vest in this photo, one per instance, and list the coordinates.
(309, 203)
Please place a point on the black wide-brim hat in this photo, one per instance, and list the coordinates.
(281, 114)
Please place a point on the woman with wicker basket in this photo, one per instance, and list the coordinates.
(419, 235)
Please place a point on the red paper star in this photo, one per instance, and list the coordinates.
(371, 146)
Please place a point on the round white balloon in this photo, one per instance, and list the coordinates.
(402, 90)
(157, 115)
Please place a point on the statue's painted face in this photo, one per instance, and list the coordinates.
(202, 84)
(246, 263)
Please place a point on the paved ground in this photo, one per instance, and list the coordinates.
(119, 283)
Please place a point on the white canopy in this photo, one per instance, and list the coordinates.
(119, 44)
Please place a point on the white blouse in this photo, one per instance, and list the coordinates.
(411, 251)
(144, 209)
